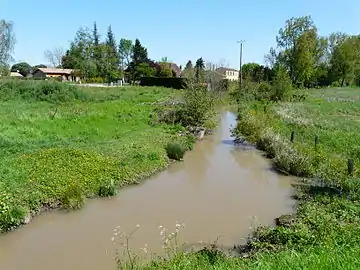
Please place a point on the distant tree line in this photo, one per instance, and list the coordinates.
(312, 60)
(111, 60)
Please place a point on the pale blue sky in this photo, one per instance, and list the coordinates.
(180, 30)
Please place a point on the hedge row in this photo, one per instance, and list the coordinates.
(172, 82)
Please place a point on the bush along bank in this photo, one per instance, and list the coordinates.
(324, 233)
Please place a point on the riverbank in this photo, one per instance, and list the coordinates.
(61, 144)
(324, 233)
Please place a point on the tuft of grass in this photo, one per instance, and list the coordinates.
(175, 150)
(108, 190)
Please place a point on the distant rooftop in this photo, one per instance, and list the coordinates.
(56, 70)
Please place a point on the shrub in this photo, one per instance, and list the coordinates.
(175, 151)
(170, 82)
(282, 86)
(198, 107)
(73, 197)
(108, 190)
(37, 90)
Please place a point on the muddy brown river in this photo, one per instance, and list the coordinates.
(216, 191)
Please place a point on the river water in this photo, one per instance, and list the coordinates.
(216, 191)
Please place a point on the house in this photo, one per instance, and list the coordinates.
(229, 73)
(67, 75)
(16, 74)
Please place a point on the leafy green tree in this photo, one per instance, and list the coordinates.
(23, 68)
(164, 70)
(7, 43)
(199, 70)
(125, 52)
(304, 59)
(294, 56)
(80, 54)
(39, 66)
(144, 70)
(345, 60)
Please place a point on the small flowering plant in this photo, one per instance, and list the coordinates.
(126, 258)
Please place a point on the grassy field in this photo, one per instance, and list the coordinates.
(325, 233)
(60, 144)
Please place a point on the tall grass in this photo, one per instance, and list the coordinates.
(60, 144)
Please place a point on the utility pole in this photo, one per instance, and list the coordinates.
(240, 70)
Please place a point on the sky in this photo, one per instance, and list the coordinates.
(179, 30)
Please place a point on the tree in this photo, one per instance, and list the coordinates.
(125, 52)
(54, 56)
(345, 60)
(80, 54)
(140, 54)
(112, 57)
(39, 66)
(96, 50)
(297, 30)
(23, 68)
(304, 57)
(199, 70)
(164, 70)
(7, 43)
(139, 57)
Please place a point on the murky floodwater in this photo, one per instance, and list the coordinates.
(216, 191)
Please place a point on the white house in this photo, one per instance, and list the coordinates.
(229, 73)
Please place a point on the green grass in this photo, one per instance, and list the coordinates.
(326, 231)
(58, 148)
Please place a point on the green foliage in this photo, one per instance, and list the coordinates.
(23, 68)
(37, 90)
(108, 190)
(61, 152)
(125, 52)
(311, 60)
(257, 73)
(198, 107)
(176, 83)
(345, 60)
(73, 197)
(175, 150)
(112, 57)
(165, 70)
(282, 86)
